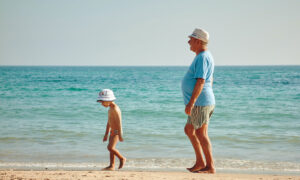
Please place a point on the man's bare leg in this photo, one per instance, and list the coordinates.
(190, 132)
(207, 149)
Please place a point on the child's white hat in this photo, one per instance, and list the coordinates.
(106, 95)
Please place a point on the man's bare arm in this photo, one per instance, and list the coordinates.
(196, 92)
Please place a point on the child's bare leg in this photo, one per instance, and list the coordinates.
(112, 159)
(112, 148)
(111, 166)
(122, 162)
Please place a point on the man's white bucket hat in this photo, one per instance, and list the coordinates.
(106, 95)
(200, 34)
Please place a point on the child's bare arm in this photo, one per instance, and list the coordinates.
(120, 129)
(106, 132)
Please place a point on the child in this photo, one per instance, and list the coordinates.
(114, 126)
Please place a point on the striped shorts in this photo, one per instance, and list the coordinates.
(200, 115)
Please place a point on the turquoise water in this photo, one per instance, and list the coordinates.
(49, 117)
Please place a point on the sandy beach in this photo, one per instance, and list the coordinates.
(132, 175)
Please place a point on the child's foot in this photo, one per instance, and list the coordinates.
(122, 162)
(108, 168)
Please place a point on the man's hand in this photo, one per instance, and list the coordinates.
(188, 108)
(105, 138)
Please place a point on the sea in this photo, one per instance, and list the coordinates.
(49, 118)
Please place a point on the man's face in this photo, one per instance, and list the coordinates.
(194, 43)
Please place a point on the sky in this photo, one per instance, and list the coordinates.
(147, 32)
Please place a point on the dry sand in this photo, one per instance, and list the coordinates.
(131, 175)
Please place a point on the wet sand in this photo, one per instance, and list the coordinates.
(132, 175)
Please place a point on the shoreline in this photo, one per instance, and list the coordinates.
(156, 165)
(134, 175)
(150, 170)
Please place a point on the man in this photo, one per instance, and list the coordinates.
(199, 100)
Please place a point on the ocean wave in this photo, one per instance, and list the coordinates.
(12, 139)
(76, 89)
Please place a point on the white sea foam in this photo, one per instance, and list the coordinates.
(155, 164)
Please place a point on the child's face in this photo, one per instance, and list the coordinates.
(105, 103)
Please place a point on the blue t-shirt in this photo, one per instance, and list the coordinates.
(201, 67)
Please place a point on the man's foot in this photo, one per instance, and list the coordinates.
(196, 167)
(207, 170)
(108, 168)
(122, 162)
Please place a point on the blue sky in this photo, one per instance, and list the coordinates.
(152, 32)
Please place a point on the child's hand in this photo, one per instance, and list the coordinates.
(121, 139)
(105, 138)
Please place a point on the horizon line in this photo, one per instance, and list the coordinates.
(136, 65)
